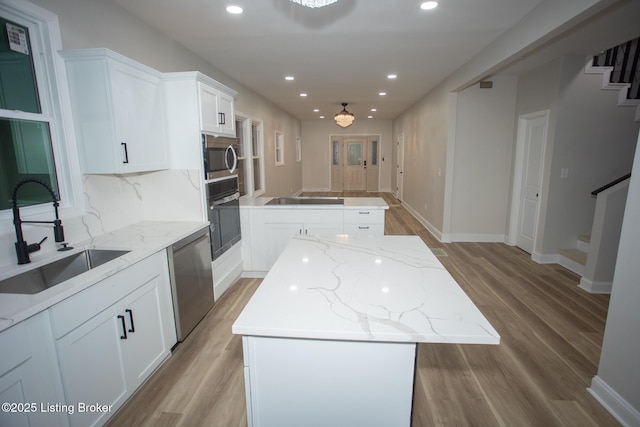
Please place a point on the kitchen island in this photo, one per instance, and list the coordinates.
(330, 336)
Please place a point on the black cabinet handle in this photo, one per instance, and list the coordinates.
(363, 228)
(364, 213)
(126, 153)
(222, 120)
(124, 328)
(133, 328)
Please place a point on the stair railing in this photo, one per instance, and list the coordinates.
(611, 184)
(624, 59)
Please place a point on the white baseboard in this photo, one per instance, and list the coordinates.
(226, 270)
(545, 258)
(430, 228)
(571, 265)
(617, 406)
(254, 274)
(595, 287)
(478, 238)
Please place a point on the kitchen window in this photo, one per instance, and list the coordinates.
(31, 125)
(279, 145)
(250, 155)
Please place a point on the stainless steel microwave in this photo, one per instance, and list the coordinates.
(220, 156)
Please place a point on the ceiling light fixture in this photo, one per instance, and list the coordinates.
(236, 10)
(382, 93)
(289, 78)
(314, 3)
(392, 76)
(344, 118)
(428, 5)
(303, 95)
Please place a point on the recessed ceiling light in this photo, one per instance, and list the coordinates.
(315, 110)
(236, 10)
(428, 5)
(322, 117)
(289, 78)
(369, 117)
(382, 93)
(392, 76)
(374, 110)
(303, 95)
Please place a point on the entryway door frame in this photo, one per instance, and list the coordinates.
(399, 166)
(520, 168)
(371, 168)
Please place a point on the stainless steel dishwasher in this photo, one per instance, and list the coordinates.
(191, 280)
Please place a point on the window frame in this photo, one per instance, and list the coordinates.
(278, 145)
(53, 92)
(250, 155)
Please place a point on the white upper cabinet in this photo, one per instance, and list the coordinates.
(195, 104)
(118, 110)
(216, 110)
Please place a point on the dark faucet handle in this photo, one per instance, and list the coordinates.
(58, 231)
(35, 246)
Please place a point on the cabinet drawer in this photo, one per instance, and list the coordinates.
(303, 216)
(72, 312)
(364, 216)
(363, 228)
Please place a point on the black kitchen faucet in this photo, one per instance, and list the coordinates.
(22, 248)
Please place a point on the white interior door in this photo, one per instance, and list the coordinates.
(399, 165)
(533, 135)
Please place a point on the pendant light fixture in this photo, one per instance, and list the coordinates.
(314, 3)
(344, 118)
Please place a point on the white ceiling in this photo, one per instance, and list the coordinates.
(339, 53)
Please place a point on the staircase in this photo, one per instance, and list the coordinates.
(620, 69)
(575, 259)
(594, 256)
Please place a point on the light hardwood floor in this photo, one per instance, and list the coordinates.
(551, 333)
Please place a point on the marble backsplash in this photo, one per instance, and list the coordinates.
(116, 201)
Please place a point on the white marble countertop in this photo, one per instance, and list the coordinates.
(142, 239)
(363, 288)
(349, 203)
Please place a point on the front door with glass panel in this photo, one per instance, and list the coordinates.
(355, 163)
(355, 174)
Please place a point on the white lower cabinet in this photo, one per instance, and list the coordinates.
(278, 235)
(266, 231)
(29, 377)
(107, 356)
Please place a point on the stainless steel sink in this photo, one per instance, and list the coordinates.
(306, 201)
(56, 272)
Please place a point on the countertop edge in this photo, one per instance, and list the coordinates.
(142, 239)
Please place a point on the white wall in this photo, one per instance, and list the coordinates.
(594, 139)
(426, 125)
(616, 384)
(316, 150)
(482, 161)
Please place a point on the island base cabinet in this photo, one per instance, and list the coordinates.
(294, 382)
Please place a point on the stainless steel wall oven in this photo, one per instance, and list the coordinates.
(224, 215)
